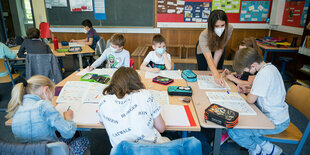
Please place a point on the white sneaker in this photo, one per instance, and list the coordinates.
(258, 151)
(276, 150)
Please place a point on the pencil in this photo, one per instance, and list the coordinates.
(68, 108)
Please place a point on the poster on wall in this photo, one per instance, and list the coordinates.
(170, 6)
(55, 3)
(197, 11)
(254, 11)
(304, 13)
(77, 6)
(100, 13)
(292, 13)
(229, 6)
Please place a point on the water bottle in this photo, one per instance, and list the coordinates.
(55, 41)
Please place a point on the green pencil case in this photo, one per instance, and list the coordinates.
(62, 50)
(180, 90)
(91, 77)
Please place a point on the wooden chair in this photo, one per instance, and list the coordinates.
(298, 97)
(9, 78)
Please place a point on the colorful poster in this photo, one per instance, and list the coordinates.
(292, 13)
(197, 11)
(100, 9)
(77, 6)
(254, 11)
(229, 6)
(304, 13)
(170, 6)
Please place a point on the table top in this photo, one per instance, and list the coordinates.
(276, 48)
(201, 102)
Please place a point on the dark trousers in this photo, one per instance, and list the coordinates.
(202, 62)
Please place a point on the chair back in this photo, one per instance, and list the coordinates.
(57, 148)
(299, 97)
(100, 47)
(185, 146)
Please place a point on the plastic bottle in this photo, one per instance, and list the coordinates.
(55, 41)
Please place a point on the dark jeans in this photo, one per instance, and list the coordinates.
(202, 62)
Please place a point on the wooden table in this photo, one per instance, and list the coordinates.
(201, 102)
(85, 50)
(276, 49)
(149, 85)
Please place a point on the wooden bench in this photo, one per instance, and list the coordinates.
(138, 55)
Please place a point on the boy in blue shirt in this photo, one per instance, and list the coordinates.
(115, 55)
(158, 59)
(269, 93)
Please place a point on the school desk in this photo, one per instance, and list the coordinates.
(149, 85)
(201, 102)
(267, 49)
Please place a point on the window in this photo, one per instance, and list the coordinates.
(28, 12)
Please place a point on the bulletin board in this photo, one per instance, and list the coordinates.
(293, 12)
(238, 11)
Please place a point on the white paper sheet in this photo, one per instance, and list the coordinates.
(207, 82)
(94, 93)
(173, 74)
(175, 115)
(160, 96)
(75, 44)
(241, 107)
(73, 91)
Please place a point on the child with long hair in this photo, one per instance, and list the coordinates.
(35, 119)
(129, 112)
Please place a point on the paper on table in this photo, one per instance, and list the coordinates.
(207, 82)
(94, 93)
(173, 74)
(103, 71)
(175, 115)
(224, 96)
(241, 107)
(160, 96)
(73, 91)
(75, 44)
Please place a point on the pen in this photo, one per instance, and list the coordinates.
(227, 91)
(68, 108)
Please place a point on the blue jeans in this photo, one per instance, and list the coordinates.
(249, 138)
(186, 146)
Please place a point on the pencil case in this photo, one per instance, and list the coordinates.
(64, 43)
(62, 50)
(189, 75)
(162, 80)
(90, 77)
(221, 115)
(180, 90)
(75, 49)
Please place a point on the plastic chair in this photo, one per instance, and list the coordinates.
(298, 97)
(9, 78)
(185, 146)
(100, 47)
(132, 63)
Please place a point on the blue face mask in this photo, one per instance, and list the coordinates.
(160, 51)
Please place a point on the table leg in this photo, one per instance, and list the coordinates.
(265, 56)
(80, 61)
(217, 141)
(184, 134)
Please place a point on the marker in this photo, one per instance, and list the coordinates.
(68, 108)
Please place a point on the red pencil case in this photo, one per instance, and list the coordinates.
(162, 80)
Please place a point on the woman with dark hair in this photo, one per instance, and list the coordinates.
(212, 41)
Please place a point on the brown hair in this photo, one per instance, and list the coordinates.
(158, 39)
(19, 90)
(214, 41)
(244, 58)
(87, 22)
(118, 39)
(124, 81)
(33, 33)
(251, 42)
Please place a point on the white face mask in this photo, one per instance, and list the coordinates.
(113, 49)
(85, 31)
(160, 51)
(219, 31)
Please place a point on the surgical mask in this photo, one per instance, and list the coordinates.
(160, 51)
(113, 49)
(219, 31)
(85, 31)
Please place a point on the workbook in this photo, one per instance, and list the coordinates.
(160, 96)
(177, 115)
(81, 91)
(172, 74)
(103, 71)
(231, 100)
(207, 82)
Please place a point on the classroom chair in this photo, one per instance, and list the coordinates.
(100, 47)
(185, 146)
(9, 78)
(298, 97)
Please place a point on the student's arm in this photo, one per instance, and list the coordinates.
(167, 61)
(159, 124)
(212, 65)
(21, 52)
(80, 40)
(251, 98)
(99, 61)
(84, 41)
(127, 59)
(8, 52)
(231, 77)
(53, 118)
(146, 68)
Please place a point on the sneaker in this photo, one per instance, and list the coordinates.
(276, 150)
(257, 151)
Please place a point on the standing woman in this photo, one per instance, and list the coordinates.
(212, 41)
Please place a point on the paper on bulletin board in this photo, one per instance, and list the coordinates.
(254, 11)
(100, 9)
(229, 6)
(197, 11)
(292, 13)
(170, 6)
(78, 6)
(304, 13)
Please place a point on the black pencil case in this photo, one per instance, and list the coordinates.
(221, 115)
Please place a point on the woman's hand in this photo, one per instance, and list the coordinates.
(219, 80)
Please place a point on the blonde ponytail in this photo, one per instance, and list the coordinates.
(20, 90)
